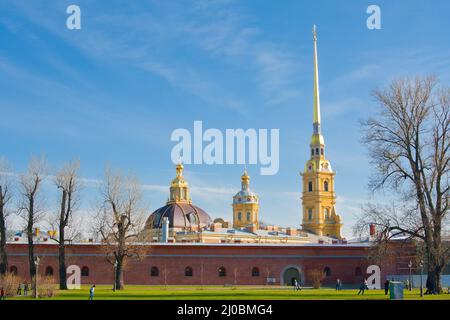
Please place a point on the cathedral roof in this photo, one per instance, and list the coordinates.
(180, 215)
(179, 208)
(245, 196)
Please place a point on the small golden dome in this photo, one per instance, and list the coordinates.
(245, 177)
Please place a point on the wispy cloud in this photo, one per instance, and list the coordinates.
(381, 66)
(217, 29)
(231, 35)
(335, 108)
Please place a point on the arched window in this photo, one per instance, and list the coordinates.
(327, 213)
(317, 151)
(255, 272)
(49, 271)
(13, 270)
(85, 271)
(192, 218)
(239, 216)
(222, 272)
(188, 272)
(321, 151)
(248, 216)
(325, 186)
(310, 214)
(327, 271)
(312, 152)
(310, 186)
(358, 271)
(154, 272)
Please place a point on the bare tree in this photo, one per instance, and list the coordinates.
(402, 215)
(409, 142)
(120, 221)
(68, 184)
(30, 206)
(5, 197)
(316, 277)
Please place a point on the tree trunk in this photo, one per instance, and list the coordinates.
(30, 239)
(62, 244)
(31, 255)
(3, 256)
(434, 262)
(62, 267)
(119, 274)
(434, 274)
(434, 281)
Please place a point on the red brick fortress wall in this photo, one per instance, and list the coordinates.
(346, 262)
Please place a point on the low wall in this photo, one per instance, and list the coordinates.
(415, 279)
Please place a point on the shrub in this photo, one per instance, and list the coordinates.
(316, 276)
(47, 287)
(10, 282)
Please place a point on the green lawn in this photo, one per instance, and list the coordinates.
(228, 293)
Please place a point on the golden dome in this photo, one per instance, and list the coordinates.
(179, 208)
(245, 195)
(245, 177)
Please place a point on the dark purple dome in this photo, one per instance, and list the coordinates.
(181, 215)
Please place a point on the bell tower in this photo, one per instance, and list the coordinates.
(245, 205)
(318, 197)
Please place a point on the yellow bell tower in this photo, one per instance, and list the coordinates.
(319, 198)
(245, 205)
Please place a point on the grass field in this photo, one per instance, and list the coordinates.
(228, 293)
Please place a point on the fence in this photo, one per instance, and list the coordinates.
(415, 279)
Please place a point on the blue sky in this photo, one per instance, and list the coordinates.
(113, 92)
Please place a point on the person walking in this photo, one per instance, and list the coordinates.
(19, 289)
(386, 286)
(362, 288)
(338, 285)
(91, 292)
(25, 290)
(295, 284)
(298, 287)
(2, 294)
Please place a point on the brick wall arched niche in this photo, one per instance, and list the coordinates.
(290, 272)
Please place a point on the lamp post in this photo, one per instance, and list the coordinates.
(421, 272)
(115, 276)
(201, 275)
(36, 264)
(165, 276)
(410, 267)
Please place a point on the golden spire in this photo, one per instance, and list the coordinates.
(316, 84)
(317, 139)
